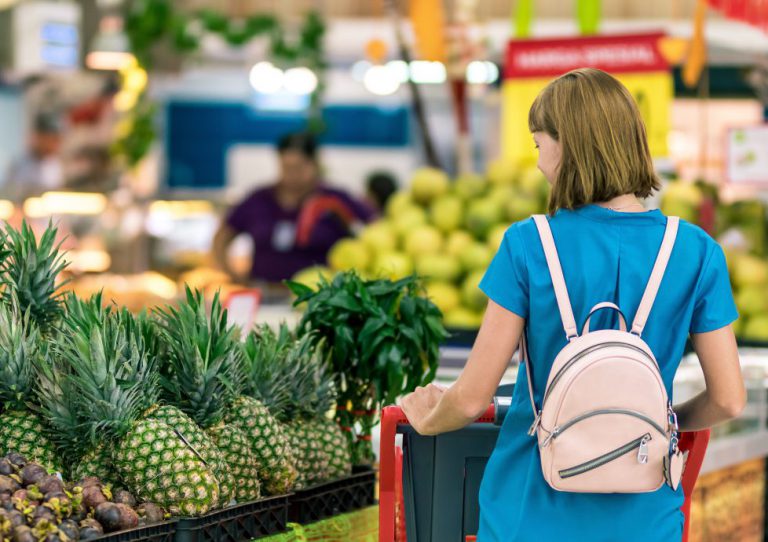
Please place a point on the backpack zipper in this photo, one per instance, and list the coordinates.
(585, 353)
(641, 444)
(557, 431)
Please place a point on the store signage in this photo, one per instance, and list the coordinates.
(242, 307)
(636, 60)
(747, 155)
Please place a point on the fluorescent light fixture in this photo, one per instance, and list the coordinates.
(400, 69)
(110, 49)
(266, 78)
(482, 72)
(426, 72)
(300, 81)
(65, 203)
(381, 80)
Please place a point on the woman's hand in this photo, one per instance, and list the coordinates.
(418, 405)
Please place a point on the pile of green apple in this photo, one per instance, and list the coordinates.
(446, 231)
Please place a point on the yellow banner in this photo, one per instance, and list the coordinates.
(653, 92)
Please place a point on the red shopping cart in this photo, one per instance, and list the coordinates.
(429, 487)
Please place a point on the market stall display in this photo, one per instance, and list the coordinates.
(177, 409)
(444, 231)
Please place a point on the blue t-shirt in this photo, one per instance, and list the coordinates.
(606, 256)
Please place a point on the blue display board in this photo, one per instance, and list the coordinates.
(199, 134)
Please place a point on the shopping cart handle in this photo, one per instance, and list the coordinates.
(500, 408)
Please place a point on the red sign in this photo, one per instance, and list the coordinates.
(615, 54)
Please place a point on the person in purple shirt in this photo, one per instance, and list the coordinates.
(294, 222)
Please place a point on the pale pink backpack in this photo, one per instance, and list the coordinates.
(606, 424)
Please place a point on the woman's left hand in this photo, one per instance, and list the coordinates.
(417, 406)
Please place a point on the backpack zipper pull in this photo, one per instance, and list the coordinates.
(535, 424)
(553, 434)
(642, 452)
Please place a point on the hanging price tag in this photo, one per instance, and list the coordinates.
(242, 307)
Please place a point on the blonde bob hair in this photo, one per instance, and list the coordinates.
(604, 146)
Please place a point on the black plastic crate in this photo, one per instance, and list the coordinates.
(158, 532)
(240, 523)
(333, 498)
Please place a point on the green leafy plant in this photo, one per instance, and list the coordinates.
(382, 340)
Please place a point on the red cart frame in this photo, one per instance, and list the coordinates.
(391, 474)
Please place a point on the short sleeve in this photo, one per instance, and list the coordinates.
(506, 280)
(714, 306)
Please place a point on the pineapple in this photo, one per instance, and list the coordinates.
(21, 429)
(288, 377)
(30, 273)
(201, 443)
(237, 452)
(202, 376)
(104, 370)
(326, 431)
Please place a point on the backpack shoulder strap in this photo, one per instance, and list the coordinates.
(646, 303)
(556, 272)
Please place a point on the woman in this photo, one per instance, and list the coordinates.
(294, 222)
(593, 150)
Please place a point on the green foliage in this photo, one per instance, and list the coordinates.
(201, 368)
(382, 337)
(102, 379)
(20, 351)
(150, 22)
(29, 271)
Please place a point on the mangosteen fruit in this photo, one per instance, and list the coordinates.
(150, 512)
(16, 459)
(121, 496)
(6, 467)
(32, 473)
(50, 484)
(90, 528)
(89, 481)
(22, 533)
(70, 528)
(20, 494)
(109, 515)
(8, 484)
(93, 496)
(17, 518)
(129, 519)
(43, 512)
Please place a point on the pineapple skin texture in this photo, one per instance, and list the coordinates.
(268, 442)
(23, 432)
(237, 452)
(97, 462)
(203, 444)
(312, 460)
(335, 444)
(158, 467)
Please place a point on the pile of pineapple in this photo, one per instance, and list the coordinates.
(177, 406)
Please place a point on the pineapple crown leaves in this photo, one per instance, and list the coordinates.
(30, 272)
(201, 365)
(20, 351)
(101, 359)
(381, 335)
(288, 375)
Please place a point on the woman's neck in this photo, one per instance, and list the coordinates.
(626, 203)
(291, 199)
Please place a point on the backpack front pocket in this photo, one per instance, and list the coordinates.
(639, 444)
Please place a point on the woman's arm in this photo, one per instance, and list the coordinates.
(725, 395)
(432, 410)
